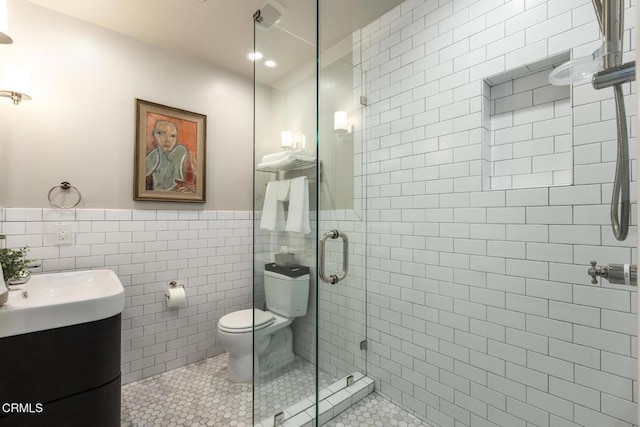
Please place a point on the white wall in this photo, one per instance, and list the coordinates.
(79, 127)
(480, 309)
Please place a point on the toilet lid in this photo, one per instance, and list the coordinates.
(243, 320)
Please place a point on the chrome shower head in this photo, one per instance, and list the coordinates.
(269, 16)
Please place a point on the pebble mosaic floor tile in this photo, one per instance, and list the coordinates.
(200, 395)
(287, 386)
(196, 395)
(374, 410)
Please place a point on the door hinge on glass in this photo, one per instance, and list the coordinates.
(278, 419)
(363, 101)
(363, 345)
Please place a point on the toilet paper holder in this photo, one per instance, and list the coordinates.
(172, 285)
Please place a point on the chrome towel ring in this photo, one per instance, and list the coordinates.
(65, 188)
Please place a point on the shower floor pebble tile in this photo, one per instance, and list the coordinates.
(286, 387)
(374, 410)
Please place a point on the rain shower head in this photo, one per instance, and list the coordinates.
(269, 15)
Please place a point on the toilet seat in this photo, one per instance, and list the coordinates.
(242, 321)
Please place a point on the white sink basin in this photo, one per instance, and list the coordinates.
(61, 299)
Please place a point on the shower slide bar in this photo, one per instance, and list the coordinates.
(610, 16)
(615, 76)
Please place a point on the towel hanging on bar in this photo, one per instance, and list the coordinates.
(298, 219)
(273, 211)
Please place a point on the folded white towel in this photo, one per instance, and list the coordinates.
(273, 210)
(286, 158)
(268, 158)
(285, 162)
(298, 219)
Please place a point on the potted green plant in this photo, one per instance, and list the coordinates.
(14, 265)
(4, 289)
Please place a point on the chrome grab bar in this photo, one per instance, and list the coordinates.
(334, 278)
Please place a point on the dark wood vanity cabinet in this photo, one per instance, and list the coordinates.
(67, 376)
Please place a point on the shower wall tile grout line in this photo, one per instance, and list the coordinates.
(480, 312)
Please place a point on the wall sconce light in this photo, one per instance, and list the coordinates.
(16, 80)
(340, 122)
(300, 142)
(286, 140)
(341, 127)
(292, 141)
(4, 24)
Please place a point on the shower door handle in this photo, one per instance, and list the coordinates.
(334, 278)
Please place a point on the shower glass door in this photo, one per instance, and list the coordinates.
(341, 306)
(285, 148)
(308, 112)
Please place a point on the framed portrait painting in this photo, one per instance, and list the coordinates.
(169, 154)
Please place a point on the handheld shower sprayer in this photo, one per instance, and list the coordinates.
(610, 15)
(605, 68)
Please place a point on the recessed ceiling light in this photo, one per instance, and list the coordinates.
(270, 63)
(254, 56)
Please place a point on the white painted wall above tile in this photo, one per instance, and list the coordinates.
(85, 78)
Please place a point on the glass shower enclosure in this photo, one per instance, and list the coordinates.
(456, 210)
(308, 121)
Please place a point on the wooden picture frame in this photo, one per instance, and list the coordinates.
(170, 148)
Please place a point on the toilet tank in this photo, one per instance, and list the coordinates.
(287, 289)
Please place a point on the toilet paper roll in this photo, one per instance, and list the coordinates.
(176, 297)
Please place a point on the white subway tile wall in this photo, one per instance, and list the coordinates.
(480, 311)
(210, 252)
(342, 307)
(530, 132)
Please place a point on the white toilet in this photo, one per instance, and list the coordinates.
(287, 294)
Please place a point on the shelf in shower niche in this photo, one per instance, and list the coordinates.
(295, 164)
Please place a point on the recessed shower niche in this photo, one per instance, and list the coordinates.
(527, 128)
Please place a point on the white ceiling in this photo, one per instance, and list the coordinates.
(220, 32)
